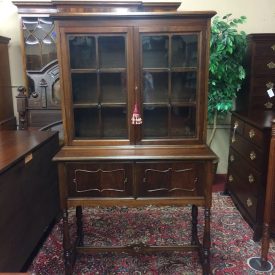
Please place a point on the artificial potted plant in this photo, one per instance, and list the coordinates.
(226, 71)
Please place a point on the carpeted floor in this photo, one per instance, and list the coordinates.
(232, 242)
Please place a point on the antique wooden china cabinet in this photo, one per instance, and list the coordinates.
(134, 79)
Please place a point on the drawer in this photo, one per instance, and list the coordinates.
(260, 85)
(265, 48)
(243, 193)
(87, 179)
(254, 135)
(252, 154)
(264, 66)
(262, 103)
(248, 174)
(169, 179)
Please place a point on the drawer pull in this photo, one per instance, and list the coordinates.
(269, 85)
(271, 65)
(249, 202)
(268, 105)
(230, 178)
(236, 124)
(252, 155)
(273, 47)
(251, 178)
(251, 133)
(232, 158)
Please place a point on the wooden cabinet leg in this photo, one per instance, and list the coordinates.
(79, 224)
(194, 240)
(206, 243)
(67, 246)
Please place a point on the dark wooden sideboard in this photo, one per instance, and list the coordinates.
(28, 193)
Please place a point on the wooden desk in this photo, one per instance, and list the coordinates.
(28, 193)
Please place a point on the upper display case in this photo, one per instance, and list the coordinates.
(127, 65)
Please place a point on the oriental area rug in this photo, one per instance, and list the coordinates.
(232, 243)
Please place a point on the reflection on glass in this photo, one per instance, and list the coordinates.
(113, 87)
(183, 86)
(39, 37)
(56, 92)
(183, 121)
(33, 56)
(111, 51)
(48, 53)
(82, 52)
(84, 88)
(155, 51)
(114, 123)
(155, 87)
(155, 122)
(184, 50)
(86, 123)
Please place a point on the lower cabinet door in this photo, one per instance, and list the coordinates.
(86, 179)
(169, 179)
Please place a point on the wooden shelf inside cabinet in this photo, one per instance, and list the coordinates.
(134, 97)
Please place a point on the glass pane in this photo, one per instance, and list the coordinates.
(114, 123)
(48, 52)
(86, 123)
(155, 51)
(33, 56)
(82, 52)
(183, 121)
(111, 51)
(155, 87)
(113, 87)
(155, 122)
(184, 50)
(40, 42)
(183, 86)
(84, 88)
(56, 93)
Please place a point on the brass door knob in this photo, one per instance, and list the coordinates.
(232, 158)
(230, 178)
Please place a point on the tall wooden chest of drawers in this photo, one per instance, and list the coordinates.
(260, 69)
(247, 166)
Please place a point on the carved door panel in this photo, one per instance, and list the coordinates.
(172, 179)
(99, 179)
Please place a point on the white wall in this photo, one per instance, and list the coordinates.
(260, 18)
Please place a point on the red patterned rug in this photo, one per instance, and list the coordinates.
(231, 237)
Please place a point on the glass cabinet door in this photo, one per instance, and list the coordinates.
(39, 41)
(99, 85)
(169, 85)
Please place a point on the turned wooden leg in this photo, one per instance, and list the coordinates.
(79, 224)
(206, 243)
(194, 240)
(67, 246)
